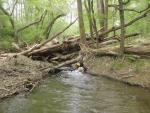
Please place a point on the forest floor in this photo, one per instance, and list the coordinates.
(19, 74)
(128, 69)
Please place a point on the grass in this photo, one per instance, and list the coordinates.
(131, 62)
(118, 64)
(5, 43)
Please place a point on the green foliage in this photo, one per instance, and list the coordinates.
(5, 43)
(33, 9)
(138, 65)
(141, 25)
(131, 62)
(131, 58)
(31, 35)
(118, 64)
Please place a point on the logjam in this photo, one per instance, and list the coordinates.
(67, 52)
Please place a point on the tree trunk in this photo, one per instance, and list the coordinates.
(81, 23)
(101, 11)
(94, 23)
(122, 23)
(102, 7)
(88, 10)
(106, 16)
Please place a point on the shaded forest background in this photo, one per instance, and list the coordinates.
(41, 13)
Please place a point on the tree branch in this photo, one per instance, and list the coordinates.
(114, 5)
(13, 7)
(142, 15)
(9, 16)
(137, 10)
(125, 3)
(50, 25)
(46, 41)
(33, 23)
(125, 9)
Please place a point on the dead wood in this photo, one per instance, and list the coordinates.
(50, 25)
(59, 48)
(115, 39)
(126, 77)
(142, 15)
(9, 16)
(31, 24)
(138, 50)
(13, 7)
(46, 41)
(16, 46)
(141, 51)
(64, 57)
(54, 69)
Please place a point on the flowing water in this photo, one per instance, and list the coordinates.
(74, 92)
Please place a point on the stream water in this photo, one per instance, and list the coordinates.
(74, 92)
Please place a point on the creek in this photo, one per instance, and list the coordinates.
(74, 92)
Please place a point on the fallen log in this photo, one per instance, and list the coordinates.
(118, 37)
(59, 48)
(115, 39)
(46, 41)
(16, 46)
(141, 51)
(138, 50)
(56, 69)
(50, 54)
(64, 57)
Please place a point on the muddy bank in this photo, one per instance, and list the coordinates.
(19, 74)
(22, 74)
(129, 70)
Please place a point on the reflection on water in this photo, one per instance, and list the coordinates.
(74, 92)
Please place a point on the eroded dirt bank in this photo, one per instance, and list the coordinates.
(19, 74)
(22, 74)
(129, 70)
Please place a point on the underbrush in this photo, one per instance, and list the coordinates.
(131, 62)
(6, 43)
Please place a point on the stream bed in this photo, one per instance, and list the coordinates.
(74, 92)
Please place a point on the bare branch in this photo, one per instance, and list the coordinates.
(126, 36)
(125, 3)
(113, 5)
(57, 34)
(33, 23)
(125, 9)
(142, 15)
(137, 10)
(27, 52)
(133, 10)
(44, 16)
(116, 5)
(13, 7)
(50, 25)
